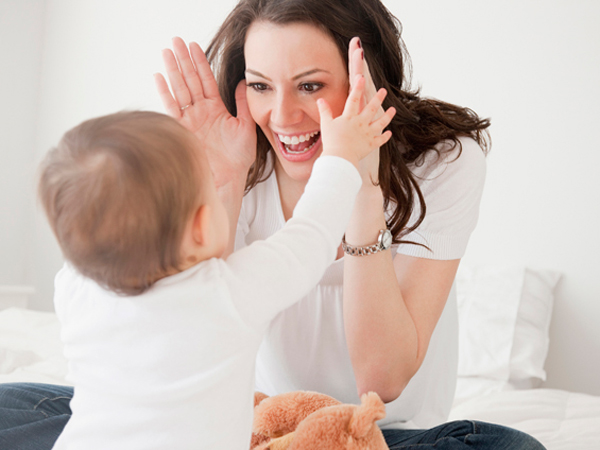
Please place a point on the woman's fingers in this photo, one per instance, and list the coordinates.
(179, 87)
(370, 89)
(355, 56)
(209, 84)
(171, 106)
(241, 103)
(187, 69)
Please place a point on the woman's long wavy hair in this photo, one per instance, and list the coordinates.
(419, 124)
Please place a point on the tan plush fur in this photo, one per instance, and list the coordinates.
(308, 420)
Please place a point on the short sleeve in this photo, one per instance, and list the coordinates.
(452, 185)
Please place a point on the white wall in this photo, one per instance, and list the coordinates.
(21, 28)
(533, 66)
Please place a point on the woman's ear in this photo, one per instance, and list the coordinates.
(201, 231)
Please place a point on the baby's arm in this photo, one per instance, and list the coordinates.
(270, 275)
(357, 131)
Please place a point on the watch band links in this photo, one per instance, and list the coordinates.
(360, 251)
(383, 243)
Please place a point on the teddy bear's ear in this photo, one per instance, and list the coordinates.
(364, 416)
(259, 397)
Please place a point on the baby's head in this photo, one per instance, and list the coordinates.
(126, 195)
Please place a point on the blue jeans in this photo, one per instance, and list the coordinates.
(32, 417)
(459, 435)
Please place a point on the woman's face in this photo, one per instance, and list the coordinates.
(288, 67)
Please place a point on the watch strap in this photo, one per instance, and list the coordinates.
(354, 250)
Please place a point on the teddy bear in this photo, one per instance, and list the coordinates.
(304, 420)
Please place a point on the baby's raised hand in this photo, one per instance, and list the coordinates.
(356, 132)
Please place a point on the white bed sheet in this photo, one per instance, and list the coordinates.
(30, 350)
(559, 419)
(30, 347)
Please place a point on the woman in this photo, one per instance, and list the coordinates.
(383, 318)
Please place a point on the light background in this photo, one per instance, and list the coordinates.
(532, 66)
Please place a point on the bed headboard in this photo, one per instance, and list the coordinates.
(15, 296)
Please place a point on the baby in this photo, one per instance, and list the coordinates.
(160, 332)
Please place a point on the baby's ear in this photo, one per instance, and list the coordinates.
(201, 231)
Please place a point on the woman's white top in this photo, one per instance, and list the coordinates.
(305, 346)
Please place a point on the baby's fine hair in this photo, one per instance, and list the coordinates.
(118, 191)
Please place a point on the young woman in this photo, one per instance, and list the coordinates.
(383, 318)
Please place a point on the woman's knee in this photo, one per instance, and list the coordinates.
(502, 437)
(54, 399)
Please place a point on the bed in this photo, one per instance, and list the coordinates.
(504, 317)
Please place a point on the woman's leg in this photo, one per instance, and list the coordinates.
(32, 415)
(461, 435)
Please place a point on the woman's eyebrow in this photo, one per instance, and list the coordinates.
(300, 75)
(309, 72)
(258, 74)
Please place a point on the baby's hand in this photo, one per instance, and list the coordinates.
(355, 133)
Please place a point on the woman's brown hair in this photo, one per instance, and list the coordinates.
(420, 123)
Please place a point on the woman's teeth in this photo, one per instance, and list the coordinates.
(293, 140)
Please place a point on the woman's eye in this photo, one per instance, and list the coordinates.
(310, 87)
(259, 87)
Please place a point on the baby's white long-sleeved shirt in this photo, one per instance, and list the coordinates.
(173, 368)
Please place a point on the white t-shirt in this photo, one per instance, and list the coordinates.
(305, 346)
(173, 368)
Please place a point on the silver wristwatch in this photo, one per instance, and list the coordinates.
(384, 242)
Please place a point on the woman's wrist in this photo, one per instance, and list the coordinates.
(367, 218)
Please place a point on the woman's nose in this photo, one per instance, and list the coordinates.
(286, 111)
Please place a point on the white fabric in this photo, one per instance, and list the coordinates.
(515, 304)
(560, 420)
(173, 367)
(30, 342)
(305, 347)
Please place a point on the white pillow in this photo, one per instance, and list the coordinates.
(504, 319)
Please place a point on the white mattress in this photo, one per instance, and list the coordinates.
(30, 350)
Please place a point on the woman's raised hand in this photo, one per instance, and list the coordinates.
(194, 100)
(357, 65)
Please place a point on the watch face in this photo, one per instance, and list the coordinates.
(386, 240)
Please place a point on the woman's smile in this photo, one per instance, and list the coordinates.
(298, 147)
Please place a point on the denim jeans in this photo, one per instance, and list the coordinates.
(32, 417)
(459, 435)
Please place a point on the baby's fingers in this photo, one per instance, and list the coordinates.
(381, 139)
(324, 111)
(374, 106)
(385, 119)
